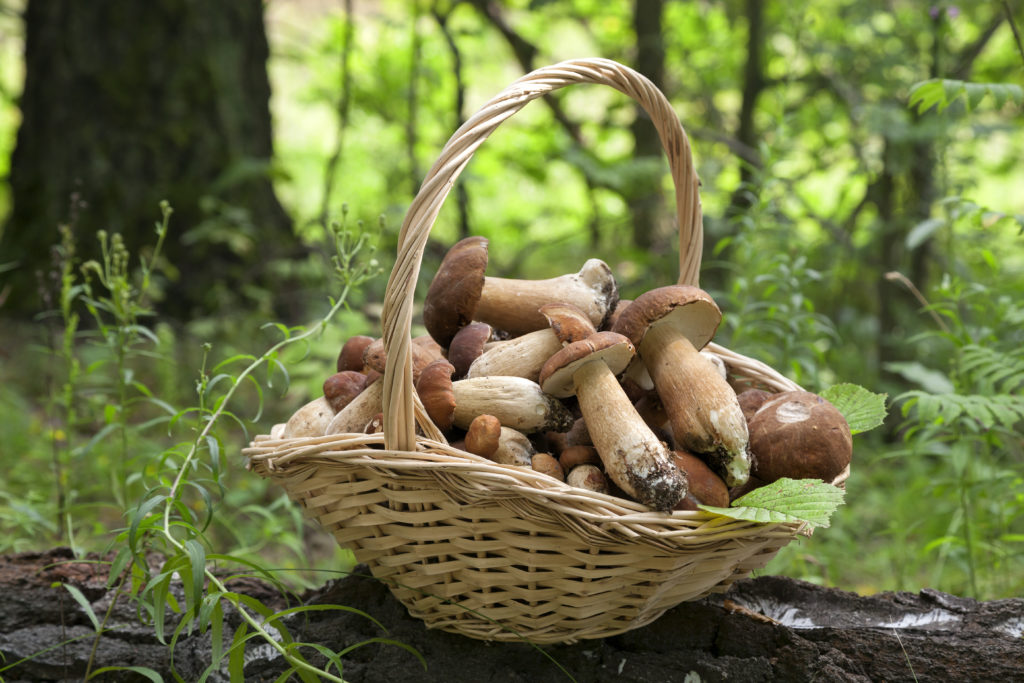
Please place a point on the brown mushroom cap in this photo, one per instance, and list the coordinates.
(705, 486)
(455, 290)
(751, 401)
(341, 387)
(483, 435)
(690, 309)
(545, 463)
(799, 435)
(579, 455)
(467, 344)
(556, 377)
(435, 390)
(351, 355)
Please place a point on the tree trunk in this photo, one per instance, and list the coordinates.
(646, 206)
(126, 104)
(766, 629)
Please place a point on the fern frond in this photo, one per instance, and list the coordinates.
(975, 412)
(992, 371)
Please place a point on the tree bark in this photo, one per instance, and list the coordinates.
(647, 207)
(126, 104)
(765, 629)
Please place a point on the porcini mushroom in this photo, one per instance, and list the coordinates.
(351, 355)
(669, 326)
(633, 457)
(341, 387)
(516, 402)
(799, 435)
(524, 356)
(589, 477)
(706, 487)
(461, 293)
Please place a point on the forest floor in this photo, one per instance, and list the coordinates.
(763, 629)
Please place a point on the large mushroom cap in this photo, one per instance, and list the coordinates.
(799, 435)
(556, 377)
(455, 290)
(690, 309)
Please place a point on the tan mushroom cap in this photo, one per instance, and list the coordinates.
(556, 377)
(455, 290)
(690, 309)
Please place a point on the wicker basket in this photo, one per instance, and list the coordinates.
(497, 552)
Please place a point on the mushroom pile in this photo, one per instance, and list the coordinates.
(612, 396)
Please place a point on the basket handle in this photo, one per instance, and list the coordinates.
(398, 401)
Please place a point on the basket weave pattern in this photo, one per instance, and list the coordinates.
(497, 552)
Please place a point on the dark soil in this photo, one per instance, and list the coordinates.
(764, 629)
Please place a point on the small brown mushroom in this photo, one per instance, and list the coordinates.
(467, 345)
(706, 487)
(460, 293)
(799, 435)
(545, 463)
(487, 438)
(579, 455)
(483, 435)
(634, 458)
(352, 419)
(589, 477)
(669, 326)
(351, 355)
(341, 387)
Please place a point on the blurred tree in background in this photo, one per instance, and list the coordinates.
(125, 104)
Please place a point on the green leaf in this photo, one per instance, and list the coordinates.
(941, 93)
(85, 604)
(863, 409)
(932, 381)
(786, 500)
(141, 670)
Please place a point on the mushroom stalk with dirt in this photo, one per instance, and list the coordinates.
(669, 326)
(634, 458)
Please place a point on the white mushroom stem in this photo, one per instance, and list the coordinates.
(633, 456)
(515, 401)
(519, 357)
(511, 305)
(353, 418)
(309, 420)
(705, 415)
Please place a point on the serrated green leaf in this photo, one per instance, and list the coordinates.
(786, 500)
(863, 409)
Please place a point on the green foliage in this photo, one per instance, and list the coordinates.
(940, 93)
(170, 494)
(785, 501)
(862, 409)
